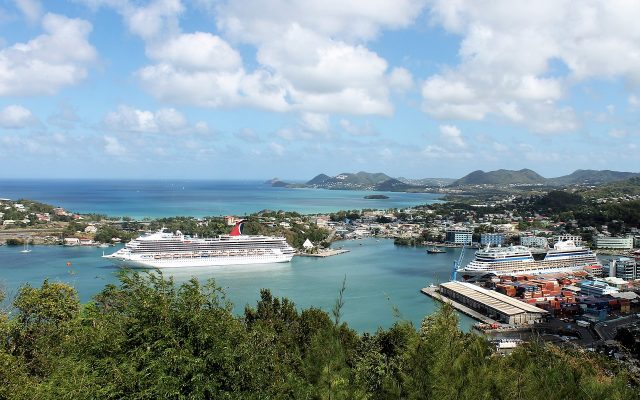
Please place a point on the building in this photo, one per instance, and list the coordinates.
(611, 242)
(534, 241)
(494, 305)
(492, 239)
(563, 238)
(596, 288)
(624, 268)
(459, 236)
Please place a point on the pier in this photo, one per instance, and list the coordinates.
(435, 294)
(325, 253)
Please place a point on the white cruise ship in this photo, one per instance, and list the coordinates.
(518, 260)
(175, 250)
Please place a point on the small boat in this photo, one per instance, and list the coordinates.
(435, 250)
(26, 248)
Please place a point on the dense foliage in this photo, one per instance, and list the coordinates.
(149, 338)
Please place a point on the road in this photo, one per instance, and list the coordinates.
(607, 329)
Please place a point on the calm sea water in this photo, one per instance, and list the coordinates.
(380, 278)
(166, 198)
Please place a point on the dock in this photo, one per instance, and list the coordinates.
(325, 253)
(435, 294)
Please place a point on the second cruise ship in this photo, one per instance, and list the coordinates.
(175, 250)
(519, 260)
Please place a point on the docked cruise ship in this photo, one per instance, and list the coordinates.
(174, 250)
(519, 260)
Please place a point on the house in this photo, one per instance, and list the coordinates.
(71, 241)
(84, 241)
(90, 229)
(307, 244)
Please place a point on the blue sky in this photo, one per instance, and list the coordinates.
(228, 89)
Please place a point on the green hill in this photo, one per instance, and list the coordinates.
(500, 177)
(591, 177)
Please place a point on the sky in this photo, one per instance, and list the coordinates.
(252, 89)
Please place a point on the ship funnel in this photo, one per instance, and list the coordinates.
(237, 230)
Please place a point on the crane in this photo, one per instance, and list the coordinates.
(457, 263)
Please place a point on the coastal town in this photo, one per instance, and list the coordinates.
(594, 308)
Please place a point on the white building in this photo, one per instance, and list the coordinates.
(596, 288)
(563, 238)
(459, 235)
(307, 244)
(610, 242)
(534, 241)
(624, 268)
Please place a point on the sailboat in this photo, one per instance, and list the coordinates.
(26, 247)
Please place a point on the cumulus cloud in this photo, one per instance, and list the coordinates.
(451, 135)
(449, 143)
(508, 48)
(16, 117)
(311, 55)
(165, 120)
(55, 59)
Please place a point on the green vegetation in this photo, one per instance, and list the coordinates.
(14, 242)
(106, 233)
(151, 339)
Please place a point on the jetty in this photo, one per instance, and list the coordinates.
(325, 253)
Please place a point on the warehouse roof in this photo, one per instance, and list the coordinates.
(495, 300)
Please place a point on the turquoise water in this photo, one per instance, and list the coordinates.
(139, 199)
(379, 275)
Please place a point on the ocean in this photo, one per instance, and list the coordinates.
(197, 198)
(383, 281)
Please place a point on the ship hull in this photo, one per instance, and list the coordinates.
(204, 262)
(468, 274)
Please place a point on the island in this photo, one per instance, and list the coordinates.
(376, 197)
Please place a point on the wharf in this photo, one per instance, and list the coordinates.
(326, 253)
(434, 293)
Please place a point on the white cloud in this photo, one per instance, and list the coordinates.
(315, 122)
(264, 20)
(401, 79)
(277, 149)
(112, 146)
(32, 9)
(196, 51)
(16, 117)
(311, 54)
(55, 59)
(508, 49)
(452, 136)
(128, 119)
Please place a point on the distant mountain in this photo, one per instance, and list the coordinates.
(359, 181)
(500, 177)
(591, 177)
(318, 180)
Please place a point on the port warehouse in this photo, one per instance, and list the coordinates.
(492, 304)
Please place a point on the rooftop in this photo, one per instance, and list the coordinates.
(495, 300)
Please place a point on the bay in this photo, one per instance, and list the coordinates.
(383, 281)
(197, 198)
